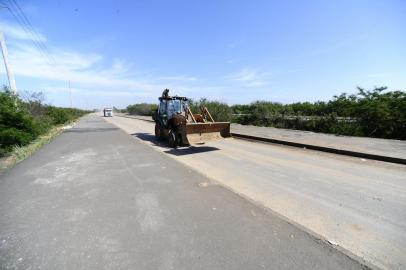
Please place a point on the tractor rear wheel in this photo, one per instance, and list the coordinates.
(173, 139)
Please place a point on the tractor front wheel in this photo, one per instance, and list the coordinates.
(158, 131)
(173, 139)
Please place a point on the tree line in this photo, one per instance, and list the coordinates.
(23, 120)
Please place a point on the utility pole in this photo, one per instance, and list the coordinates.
(10, 75)
(70, 94)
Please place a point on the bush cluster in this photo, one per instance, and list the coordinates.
(218, 110)
(371, 113)
(142, 109)
(23, 121)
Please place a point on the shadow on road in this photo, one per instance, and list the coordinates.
(151, 138)
(188, 150)
(86, 130)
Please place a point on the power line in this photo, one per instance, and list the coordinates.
(36, 39)
(21, 18)
(33, 30)
(28, 31)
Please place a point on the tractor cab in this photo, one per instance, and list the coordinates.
(168, 107)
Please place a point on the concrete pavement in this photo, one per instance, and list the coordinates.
(95, 198)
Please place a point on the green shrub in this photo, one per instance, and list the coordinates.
(58, 115)
(218, 110)
(373, 113)
(22, 122)
(17, 127)
(12, 136)
(142, 109)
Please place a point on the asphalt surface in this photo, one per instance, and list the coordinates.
(359, 205)
(96, 198)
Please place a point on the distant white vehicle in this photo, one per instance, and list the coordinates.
(108, 112)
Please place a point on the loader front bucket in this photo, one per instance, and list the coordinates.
(199, 133)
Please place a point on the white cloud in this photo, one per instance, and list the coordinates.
(16, 32)
(250, 77)
(246, 74)
(87, 71)
(84, 91)
(179, 78)
(256, 83)
(91, 75)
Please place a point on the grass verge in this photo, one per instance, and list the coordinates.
(19, 153)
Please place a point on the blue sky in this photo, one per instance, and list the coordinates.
(117, 53)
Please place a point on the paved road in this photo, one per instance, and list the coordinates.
(96, 198)
(358, 204)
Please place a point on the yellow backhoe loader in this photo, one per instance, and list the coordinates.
(175, 122)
